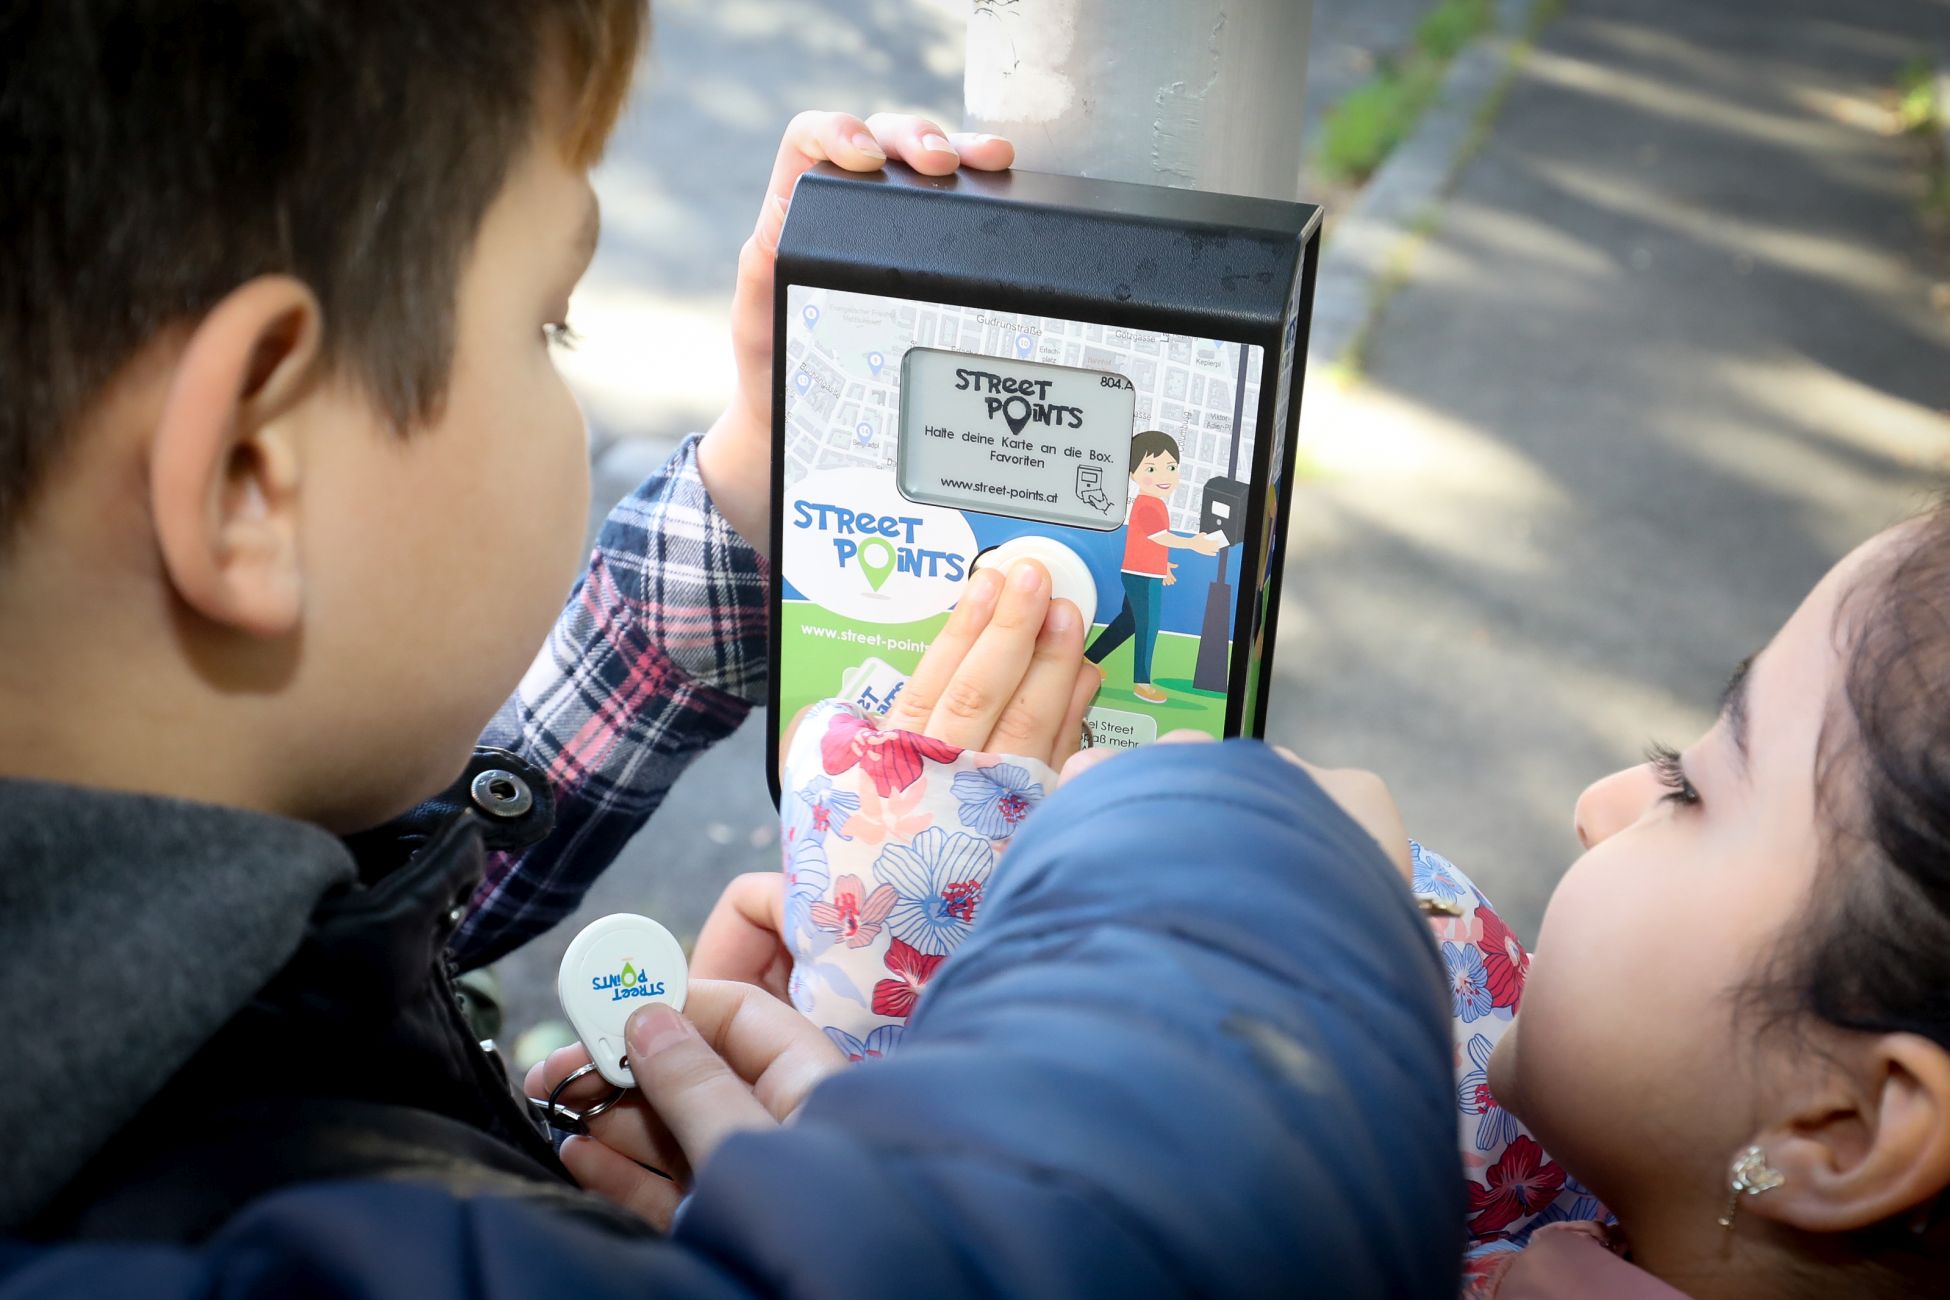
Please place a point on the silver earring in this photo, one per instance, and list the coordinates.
(1750, 1175)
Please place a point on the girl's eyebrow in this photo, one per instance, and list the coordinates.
(1733, 707)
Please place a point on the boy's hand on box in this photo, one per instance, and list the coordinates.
(735, 457)
(735, 1059)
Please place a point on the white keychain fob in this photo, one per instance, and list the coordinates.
(617, 964)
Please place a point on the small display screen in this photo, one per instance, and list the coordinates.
(1021, 438)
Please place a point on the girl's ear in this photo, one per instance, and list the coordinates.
(1869, 1147)
(225, 463)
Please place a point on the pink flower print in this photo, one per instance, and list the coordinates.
(1504, 960)
(892, 760)
(900, 816)
(853, 918)
(912, 970)
(1521, 1183)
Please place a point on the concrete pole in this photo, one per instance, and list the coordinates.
(1198, 94)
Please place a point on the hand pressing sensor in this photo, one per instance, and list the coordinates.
(618, 963)
(874, 684)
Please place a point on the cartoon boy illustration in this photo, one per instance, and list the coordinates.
(1148, 540)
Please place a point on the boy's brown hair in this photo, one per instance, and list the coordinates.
(159, 153)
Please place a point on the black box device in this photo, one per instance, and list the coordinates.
(1102, 375)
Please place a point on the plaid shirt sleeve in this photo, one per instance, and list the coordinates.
(659, 654)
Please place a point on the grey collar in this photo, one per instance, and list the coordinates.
(131, 929)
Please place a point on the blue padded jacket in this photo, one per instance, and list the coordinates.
(1198, 1045)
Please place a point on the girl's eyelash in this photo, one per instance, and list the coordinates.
(1672, 775)
(559, 334)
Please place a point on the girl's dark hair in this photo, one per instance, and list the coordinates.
(1873, 952)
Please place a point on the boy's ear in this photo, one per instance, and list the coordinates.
(225, 463)
(1870, 1146)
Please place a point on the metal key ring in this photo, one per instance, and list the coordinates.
(567, 1118)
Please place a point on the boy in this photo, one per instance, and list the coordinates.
(289, 491)
(1148, 542)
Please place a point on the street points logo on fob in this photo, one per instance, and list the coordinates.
(855, 546)
(627, 983)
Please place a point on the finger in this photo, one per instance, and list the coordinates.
(547, 1074)
(1032, 723)
(1082, 761)
(534, 1083)
(741, 939)
(629, 1126)
(811, 137)
(1069, 737)
(916, 141)
(987, 677)
(692, 1089)
(633, 1128)
(766, 1041)
(816, 136)
(915, 704)
(985, 153)
(618, 1179)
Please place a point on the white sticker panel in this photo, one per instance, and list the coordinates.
(1019, 438)
(855, 547)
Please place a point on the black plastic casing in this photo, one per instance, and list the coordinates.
(1177, 261)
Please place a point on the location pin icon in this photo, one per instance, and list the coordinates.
(1025, 344)
(1009, 413)
(812, 315)
(876, 561)
(875, 360)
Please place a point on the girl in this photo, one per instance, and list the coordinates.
(1737, 1031)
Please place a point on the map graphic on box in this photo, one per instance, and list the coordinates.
(917, 435)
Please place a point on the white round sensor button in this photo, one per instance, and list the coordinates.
(617, 964)
(1069, 576)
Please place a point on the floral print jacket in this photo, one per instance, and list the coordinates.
(889, 839)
